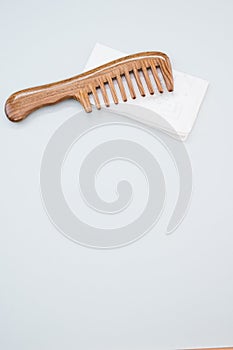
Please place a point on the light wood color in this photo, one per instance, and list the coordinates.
(227, 348)
(20, 104)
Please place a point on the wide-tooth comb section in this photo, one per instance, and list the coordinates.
(137, 70)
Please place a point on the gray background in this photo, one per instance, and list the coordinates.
(162, 292)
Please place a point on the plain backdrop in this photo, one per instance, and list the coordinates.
(162, 292)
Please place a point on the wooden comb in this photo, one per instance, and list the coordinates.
(20, 104)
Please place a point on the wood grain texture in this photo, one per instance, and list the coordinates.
(20, 104)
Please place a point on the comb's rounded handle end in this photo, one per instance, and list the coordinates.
(20, 104)
(13, 110)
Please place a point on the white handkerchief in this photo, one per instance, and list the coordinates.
(178, 109)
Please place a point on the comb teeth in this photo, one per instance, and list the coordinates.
(84, 99)
(156, 77)
(166, 75)
(147, 79)
(112, 89)
(136, 69)
(139, 82)
(104, 93)
(96, 97)
(121, 87)
(130, 84)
